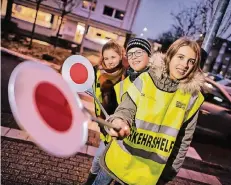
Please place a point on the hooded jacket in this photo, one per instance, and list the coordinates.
(127, 111)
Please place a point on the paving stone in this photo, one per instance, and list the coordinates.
(37, 182)
(47, 178)
(29, 174)
(53, 173)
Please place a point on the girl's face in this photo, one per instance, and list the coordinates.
(182, 63)
(138, 59)
(111, 58)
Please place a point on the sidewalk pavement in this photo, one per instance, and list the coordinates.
(25, 57)
(90, 56)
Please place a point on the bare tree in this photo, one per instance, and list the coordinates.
(195, 20)
(9, 10)
(66, 7)
(38, 3)
(166, 39)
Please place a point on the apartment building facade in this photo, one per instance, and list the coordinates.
(108, 19)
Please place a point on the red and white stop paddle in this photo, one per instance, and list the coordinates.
(79, 74)
(44, 105)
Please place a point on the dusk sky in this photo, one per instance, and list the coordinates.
(155, 15)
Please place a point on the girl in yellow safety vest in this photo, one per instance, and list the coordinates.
(157, 117)
(141, 49)
(109, 72)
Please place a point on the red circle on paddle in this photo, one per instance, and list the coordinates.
(79, 73)
(53, 107)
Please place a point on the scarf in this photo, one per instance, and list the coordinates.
(134, 74)
(114, 75)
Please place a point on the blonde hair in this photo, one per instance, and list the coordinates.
(172, 50)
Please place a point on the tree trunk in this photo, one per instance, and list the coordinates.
(9, 10)
(57, 35)
(32, 34)
(7, 19)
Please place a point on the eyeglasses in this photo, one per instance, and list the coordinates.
(137, 53)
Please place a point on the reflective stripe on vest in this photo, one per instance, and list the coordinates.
(156, 128)
(159, 117)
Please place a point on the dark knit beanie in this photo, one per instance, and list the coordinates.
(139, 43)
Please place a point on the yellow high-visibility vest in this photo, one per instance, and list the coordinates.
(120, 88)
(98, 93)
(141, 157)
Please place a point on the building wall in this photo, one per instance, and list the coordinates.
(102, 27)
(97, 15)
(28, 26)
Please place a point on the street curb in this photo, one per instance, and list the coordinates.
(25, 57)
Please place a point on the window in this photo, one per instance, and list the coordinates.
(80, 29)
(101, 36)
(28, 14)
(108, 11)
(119, 14)
(213, 95)
(111, 12)
(87, 4)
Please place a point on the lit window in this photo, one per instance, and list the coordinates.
(28, 14)
(108, 11)
(86, 4)
(80, 29)
(119, 14)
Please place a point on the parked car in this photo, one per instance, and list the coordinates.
(226, 84)
(215, 77)
(215, 113)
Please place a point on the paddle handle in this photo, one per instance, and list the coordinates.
(100, 121)
(105, 123)
(98, 102)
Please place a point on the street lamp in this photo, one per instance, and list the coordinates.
(145, 29)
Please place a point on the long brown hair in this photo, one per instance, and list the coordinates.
(183, 41)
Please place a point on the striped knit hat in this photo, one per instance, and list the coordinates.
(139, 43)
